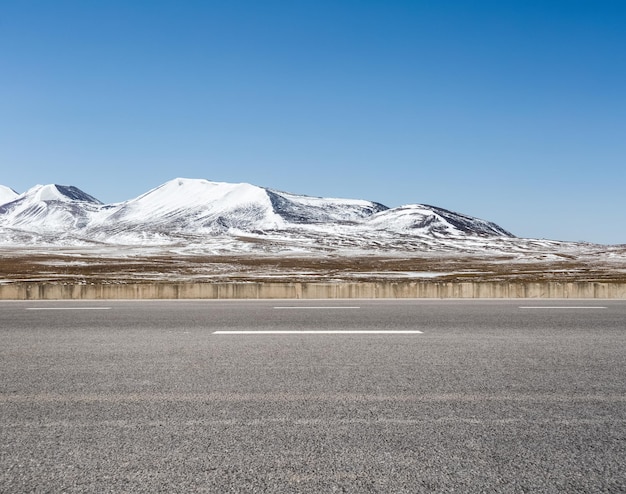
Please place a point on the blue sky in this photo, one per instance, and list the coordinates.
(512, 111)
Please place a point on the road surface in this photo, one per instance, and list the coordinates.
(313, 396)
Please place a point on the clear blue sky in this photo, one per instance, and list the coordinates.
(512, 111)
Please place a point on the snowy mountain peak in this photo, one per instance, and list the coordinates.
(49, 208)
(183, 192)
(7, 194)
(53, 192)
(470, 225)
(431, 220)
(196, 205)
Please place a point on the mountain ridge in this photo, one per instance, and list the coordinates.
(198, 207)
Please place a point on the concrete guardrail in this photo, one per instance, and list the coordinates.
(312, 290)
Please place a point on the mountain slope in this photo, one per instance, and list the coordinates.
(297, 209)
(7, 194)
(430, 220)
(49, 208)
(192, 205)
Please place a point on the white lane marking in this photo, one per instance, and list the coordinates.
(319, 308)
(68, 308)
(320, 331)
(563, 307)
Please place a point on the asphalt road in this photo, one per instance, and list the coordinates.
(491, 396)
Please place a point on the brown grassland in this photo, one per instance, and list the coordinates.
(70, 268)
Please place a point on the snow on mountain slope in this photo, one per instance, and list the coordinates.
(193, 204)
(61, 193)
(49, 208)
(305, 209)
(196, 205)
(7, 194)
(429, 220)
(471, 225)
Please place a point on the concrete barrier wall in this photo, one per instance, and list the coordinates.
(259, 290)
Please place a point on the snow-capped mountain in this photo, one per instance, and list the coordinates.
(195, 208)
(7, 194)
(200, 206)
(49, 209)
(435, 221)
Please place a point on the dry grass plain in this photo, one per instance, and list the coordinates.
(72, 267)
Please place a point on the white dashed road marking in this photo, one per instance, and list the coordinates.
(68, 308)
(317, 308)
(563, 307)
(320, 331)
